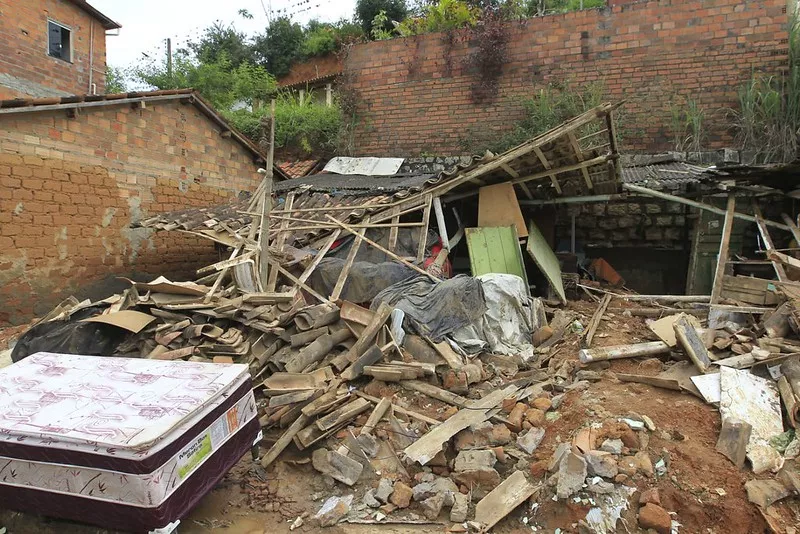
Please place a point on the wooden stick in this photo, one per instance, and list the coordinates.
(365, 340)
(576, 147)
(762, 229)
(547, 166)
(724, 243)
(297, 281)
(596, 318)
(266, 206)
(792, 227)
(385, 250)
(376, 415)
(318, 258)
(283, 442)
(625, 351)
(348, 264)
(280, 242)
(400, 410)
(394, 230)
(423, 233)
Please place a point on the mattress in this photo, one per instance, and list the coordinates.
(119, 442)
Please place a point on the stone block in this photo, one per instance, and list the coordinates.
(571, 474)
(664, 220)
(652, 208)
(617, 209)
(653, 234)
(531, 439)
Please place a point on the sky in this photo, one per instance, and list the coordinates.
(146, 24)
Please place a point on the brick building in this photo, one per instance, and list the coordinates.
(415, 94)
(52, 48)
(75, 173)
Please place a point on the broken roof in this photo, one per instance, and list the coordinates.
(576, 158)
(107, 23)
(298, 169)
(90, 102)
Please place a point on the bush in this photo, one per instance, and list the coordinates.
(313, 128)
(441, 16)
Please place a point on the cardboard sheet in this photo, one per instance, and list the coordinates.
(498, 206)
(132, 321)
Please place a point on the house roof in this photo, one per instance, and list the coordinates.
(104, 20)
(298, 169)
(558, 162)
(313, 71)
(90, 102)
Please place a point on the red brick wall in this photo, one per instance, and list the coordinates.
(415, 95)
(23, 48)
(69, 189)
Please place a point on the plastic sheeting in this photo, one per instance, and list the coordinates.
(364, 281)
(511, 318)
(435, 309)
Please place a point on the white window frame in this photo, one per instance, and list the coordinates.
(71, 39)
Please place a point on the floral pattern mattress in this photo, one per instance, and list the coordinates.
(84, 426)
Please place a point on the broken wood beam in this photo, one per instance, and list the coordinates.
(690, 340)
(767, 239)
(283, 442)
(400, 410)
(698, 205)
(722, 257)
(503, 499)
(373, 355)
(376, 415)
(659, 312)
(651, 348)
(435, 392)
(343, 414)
(596, 318)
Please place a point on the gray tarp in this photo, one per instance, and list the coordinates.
(364, 281)
(436, 309)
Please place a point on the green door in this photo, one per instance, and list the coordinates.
(495, 250)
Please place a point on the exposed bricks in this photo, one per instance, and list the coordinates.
(23, 48)
(414, 94)
(66, 207)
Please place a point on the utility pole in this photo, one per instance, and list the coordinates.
(169, 58)
(266, 206)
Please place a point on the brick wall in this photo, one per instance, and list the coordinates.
(25, 66)
(415, 93)
(69, 189)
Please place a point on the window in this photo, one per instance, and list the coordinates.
(59, 41)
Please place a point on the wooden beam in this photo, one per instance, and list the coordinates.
(724, 244)
(423, 233)
(280, 242)
(303, 285)
(385, 250)
(596, 318)
(698, 205)
(547, 166)
(348, 264)
(567, 168)
(792, 227)
(321, 254)
(762, 229)
(393, 231)
(576, 147)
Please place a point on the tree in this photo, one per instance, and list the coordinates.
(115, 80)
(366, 10)
(279, 46)
(218, 39)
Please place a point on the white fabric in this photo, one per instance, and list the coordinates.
(126, 407)
(509, 321)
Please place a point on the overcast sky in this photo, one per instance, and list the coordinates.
(147, 23)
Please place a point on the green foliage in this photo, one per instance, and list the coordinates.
(218, 40)
(279, 46)
(563, 6)
(115, 80)
(324, 38)
(544, 111)
(219, 82)
(379, 31)
(688, 126)
(441, 16)
(768, 118)
(367, 10)
(314, 128)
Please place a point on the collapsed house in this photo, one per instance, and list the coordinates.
(340, 292)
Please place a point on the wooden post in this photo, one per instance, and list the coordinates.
(266, 206)
(722, 258)
(762, 229)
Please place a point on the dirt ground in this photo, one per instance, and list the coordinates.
(703, 488)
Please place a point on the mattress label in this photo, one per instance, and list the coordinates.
(191, 457)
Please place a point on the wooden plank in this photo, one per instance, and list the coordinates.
(498, 206)
(348, 264)
(283, 442)
(596, 318)
(423, 233)
(690, 341)
(291, 398)
(514, 174)
(722, 258)
(659, 382)
(376, 415)
(280, 241)
(545, 260)
(503, 499)
(698, 205)
(385, 250)
(546, 165)
(343, 414)
(385, 374)
(425, 448)
(792, 227)
(495, 250)
(453, 359)
(393, 231)
(576, 147)
(266, 206)
(321, 254)
(301, 284)
(767, 239)
(366, 339)
(435, 392)
(398, 409)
